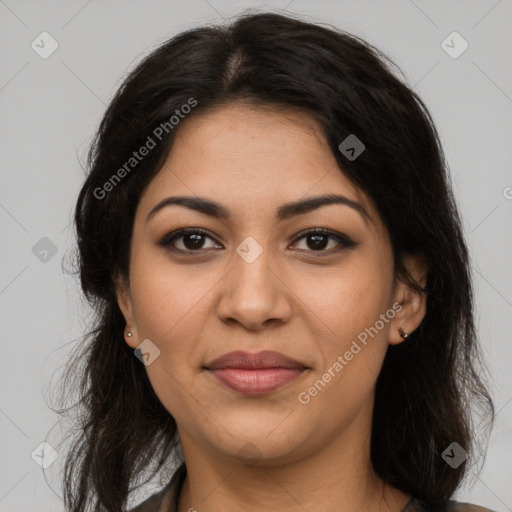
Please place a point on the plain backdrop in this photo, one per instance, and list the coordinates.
(50, 108)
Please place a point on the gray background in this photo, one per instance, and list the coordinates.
(51, 107)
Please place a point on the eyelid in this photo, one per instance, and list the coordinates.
(343, 240)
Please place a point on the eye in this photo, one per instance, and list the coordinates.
(317, 240)
(192, 240)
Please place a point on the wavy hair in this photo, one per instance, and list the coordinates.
(427, 385)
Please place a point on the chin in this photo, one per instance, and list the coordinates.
(259, 440)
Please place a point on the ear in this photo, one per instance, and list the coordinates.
(413, 302)
(124, 300)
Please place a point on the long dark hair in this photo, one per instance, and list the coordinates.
(427, 384)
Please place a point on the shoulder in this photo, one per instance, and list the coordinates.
(457, 506)
(166, 500)
(153, 503)
(416, 505)
(158, 502)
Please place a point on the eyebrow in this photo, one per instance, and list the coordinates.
(287, 210)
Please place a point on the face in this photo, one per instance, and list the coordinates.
(257, 277)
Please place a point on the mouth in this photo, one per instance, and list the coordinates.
(255, 374)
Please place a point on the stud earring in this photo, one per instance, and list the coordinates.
(402, 333)
(128, 334)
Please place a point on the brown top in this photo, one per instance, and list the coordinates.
(167, 499)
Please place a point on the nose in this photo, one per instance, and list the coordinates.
(255, 293)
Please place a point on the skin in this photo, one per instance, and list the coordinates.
(293, 298)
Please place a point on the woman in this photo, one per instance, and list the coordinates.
(282, 288)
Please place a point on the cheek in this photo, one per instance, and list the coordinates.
(167, 305)
(351, 341)
(166, 294)
(349, 298)
(171, 306)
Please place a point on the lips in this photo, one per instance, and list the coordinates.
(255, 374)
(248, 361)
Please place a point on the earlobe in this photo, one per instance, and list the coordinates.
(124, 301)
(413, 301)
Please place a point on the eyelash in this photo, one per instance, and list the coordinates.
(169, 239)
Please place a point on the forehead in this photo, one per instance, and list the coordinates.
(252, 144)
(251, 159)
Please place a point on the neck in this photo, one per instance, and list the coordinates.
(335, 477)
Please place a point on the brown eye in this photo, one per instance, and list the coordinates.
(192, 240)
(318, 239)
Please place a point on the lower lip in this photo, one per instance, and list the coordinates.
(255, 382)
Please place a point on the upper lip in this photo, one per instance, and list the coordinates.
(248, 361)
